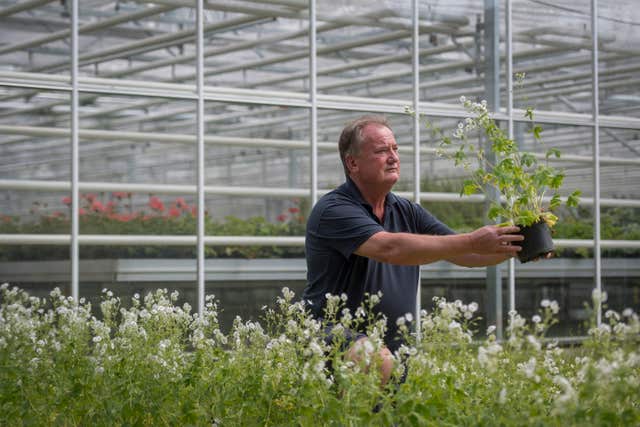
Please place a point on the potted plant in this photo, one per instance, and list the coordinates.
(522, 181)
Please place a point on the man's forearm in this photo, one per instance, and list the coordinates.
(485, 246)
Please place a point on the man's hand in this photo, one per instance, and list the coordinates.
(495, 239)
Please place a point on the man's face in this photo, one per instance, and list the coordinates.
(378, 162)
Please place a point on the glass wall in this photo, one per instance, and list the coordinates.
(256, 144)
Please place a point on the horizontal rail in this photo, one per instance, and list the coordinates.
(176, 138)
(149, 240)
(62, 186)
(292, 99)
(169, 240)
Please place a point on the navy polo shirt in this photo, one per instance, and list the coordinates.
(339, 223)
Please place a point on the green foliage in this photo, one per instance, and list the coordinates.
(116, 217)
(517, 176)
(150, 362)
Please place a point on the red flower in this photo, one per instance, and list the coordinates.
(174, 212)
(120, 194)
(156, 204)
(66, 200)
(111, 205)
(294, 210)
(282, 217)
(97, 206)
(81, 211)
(180, 203)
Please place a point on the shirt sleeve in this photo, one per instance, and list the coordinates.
(344, 226)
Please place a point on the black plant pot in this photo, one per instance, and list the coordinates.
(537, 241)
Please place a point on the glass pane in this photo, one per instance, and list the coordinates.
(620, 216)
(617, 67)
(35, 38)
(551, 49)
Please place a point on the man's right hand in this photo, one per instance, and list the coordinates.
(495, 239)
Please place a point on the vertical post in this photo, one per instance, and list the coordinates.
(200, 153)
(415, 56)
(75, 155)
(492, 95)
(596, 155)
(509, 76)
(312, 98)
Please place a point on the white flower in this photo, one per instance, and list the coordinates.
(545, 303)
(612, 314)
(534, 342)
(528, 368)
(491, 329)
(598, 296)
(502, 397)
(409, 317)
(627, 312)
(473, 307)
(536, 319)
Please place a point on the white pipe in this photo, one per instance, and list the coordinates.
(111, 135)
(101, 24)
(415, 68)
(22, 6)
(511, 276)
(75, 155)
(200, 156)
(313, 100)
(148, 240)
(595, 88)
(171, 240)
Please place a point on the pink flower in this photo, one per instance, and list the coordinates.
(81, 211)
(97, 206)
(156, 204)
(90, 197)
(111, 205)
(174, 212)
(180, 203)
(120, 194)
(66, 200)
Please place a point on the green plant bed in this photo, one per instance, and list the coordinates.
(115, 217)
(150, 362)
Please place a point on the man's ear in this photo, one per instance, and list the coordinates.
(350, 162)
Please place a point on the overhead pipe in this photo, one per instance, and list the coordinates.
(22, 6)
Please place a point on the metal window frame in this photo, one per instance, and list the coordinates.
(77, 85)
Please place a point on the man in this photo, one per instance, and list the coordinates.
(361, 238)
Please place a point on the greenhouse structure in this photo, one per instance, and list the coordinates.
(181, 144)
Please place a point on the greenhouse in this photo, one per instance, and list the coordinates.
(167, 155)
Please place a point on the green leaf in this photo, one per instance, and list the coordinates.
(555, 201)
(529, 113)
(495, 212)
(528, 160)
(469, 187)
(553, 152)
(536, 130)
(574, 198)
(556, 180)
